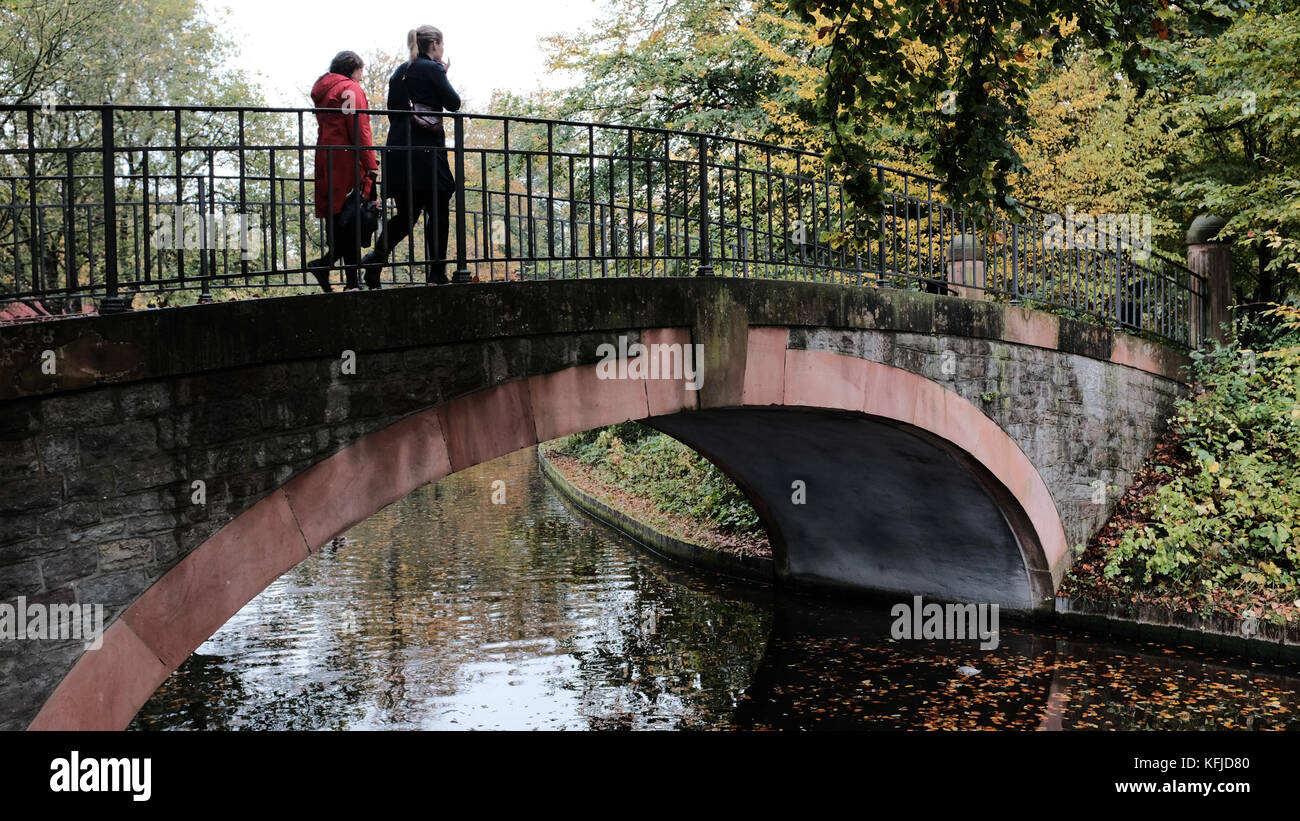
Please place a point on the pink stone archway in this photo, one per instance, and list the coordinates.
(152, 637)
(819, 379)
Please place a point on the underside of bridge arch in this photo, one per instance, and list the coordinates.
(863, 504)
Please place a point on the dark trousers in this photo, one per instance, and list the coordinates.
(410, 205)
(345, 247)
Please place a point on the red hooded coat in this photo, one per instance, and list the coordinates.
(336, 170)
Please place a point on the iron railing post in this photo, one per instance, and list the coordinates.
(1203, 304)
(243, 198)
(706, 260)
(1015, 261)
(207, 252)
(178, 204)
(69, 226)
(38, 266)
(1119, 268)
(112, 303)
(204, 268)
(461, 274)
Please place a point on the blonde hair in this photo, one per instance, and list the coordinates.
(419, 40)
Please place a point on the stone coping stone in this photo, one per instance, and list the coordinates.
(151, 344)
(1259, 640)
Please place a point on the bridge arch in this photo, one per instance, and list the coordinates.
(189, 603)
(1019, 413)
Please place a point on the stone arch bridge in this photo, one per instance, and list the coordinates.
(953, 448)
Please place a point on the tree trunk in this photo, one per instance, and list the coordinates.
(1264, 282)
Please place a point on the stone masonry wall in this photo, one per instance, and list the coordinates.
(96, 488)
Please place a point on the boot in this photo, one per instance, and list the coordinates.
(321, 271)
(352, 277)
(436, 273)
(373, 264)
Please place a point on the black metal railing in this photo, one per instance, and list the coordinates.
(109, 201)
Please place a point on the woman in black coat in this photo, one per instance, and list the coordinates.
(416, 174)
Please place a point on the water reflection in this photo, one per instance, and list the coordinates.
(445, 611)
(448, 611)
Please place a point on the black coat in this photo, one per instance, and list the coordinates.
(424, 81)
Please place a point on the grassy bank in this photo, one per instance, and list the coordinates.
(660, 481)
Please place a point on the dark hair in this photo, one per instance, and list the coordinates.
(345, 62)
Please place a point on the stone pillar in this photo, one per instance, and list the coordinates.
(1212, 259)
(966, 266)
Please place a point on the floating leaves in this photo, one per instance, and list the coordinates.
(1032, 682)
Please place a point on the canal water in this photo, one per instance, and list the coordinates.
(447, 611)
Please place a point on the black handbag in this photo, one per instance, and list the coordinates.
(359, 210)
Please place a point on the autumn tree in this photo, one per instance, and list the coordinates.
(1234, 99)
(1098, 146)
(379, 67)
(955, 77)
(65, 53)
(738, 69)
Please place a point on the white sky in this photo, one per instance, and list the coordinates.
(492, 44)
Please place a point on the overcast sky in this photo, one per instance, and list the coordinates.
(491, 44)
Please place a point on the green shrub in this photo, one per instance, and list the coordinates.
(1230, 518)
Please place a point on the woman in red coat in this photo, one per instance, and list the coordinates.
(336, 169)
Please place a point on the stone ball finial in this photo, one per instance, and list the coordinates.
(1204, 229)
